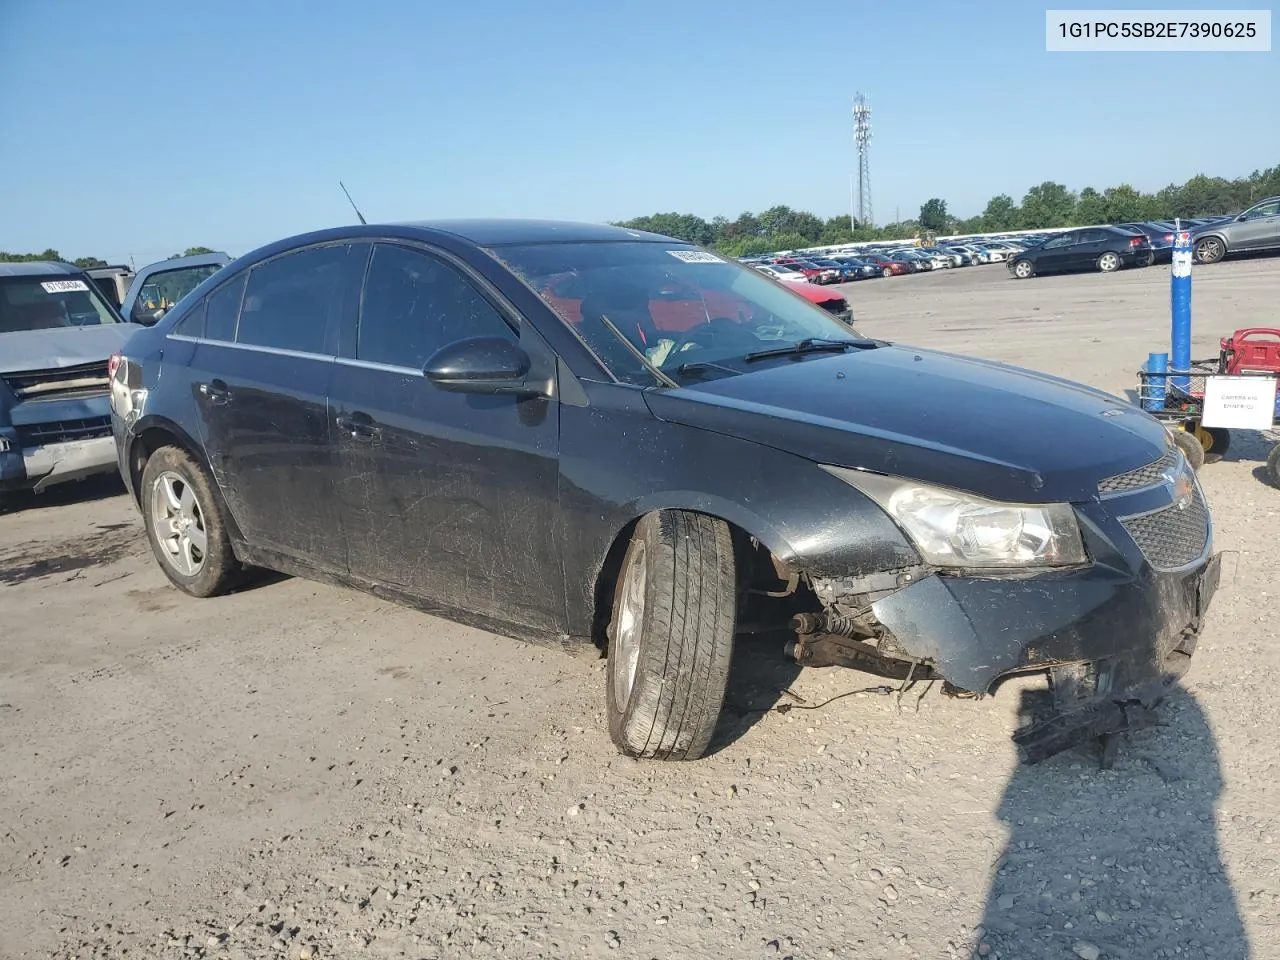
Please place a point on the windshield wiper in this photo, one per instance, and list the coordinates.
(810, 345)
(695, 367)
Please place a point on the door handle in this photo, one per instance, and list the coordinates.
(217, 391)
(359, 426)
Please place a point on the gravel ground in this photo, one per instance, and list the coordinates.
(303, 771)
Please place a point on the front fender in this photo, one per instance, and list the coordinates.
(619, 462)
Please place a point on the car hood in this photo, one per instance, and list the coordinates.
(62, 346)
(991, 429)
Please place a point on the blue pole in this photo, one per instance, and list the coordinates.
(1181, 305)
(1152, 392)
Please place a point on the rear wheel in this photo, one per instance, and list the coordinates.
(186, 524)
(1210, 250)
(1190, 448)
(1023, 269)
(1109, 262)
(671, 636)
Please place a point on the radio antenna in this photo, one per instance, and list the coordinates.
(353, 203)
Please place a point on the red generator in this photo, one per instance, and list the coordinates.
(1251, 350)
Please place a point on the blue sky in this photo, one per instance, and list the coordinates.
(141, 128)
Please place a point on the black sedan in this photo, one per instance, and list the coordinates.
(1092, 248)
(583, 434)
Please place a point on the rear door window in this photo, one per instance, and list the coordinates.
(290, 301)
(221, 310)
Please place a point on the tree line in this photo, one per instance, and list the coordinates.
(85, 263)
(1045, 205)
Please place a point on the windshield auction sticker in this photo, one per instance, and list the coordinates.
(695, 256)
(63, 286)
(1137, 31)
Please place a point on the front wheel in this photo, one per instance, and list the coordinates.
(1109, 262)
(1210, 250)
(886, 272)
(671, 636)
(1023, 269)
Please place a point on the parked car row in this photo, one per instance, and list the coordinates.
(1104, 247)
(888, 260)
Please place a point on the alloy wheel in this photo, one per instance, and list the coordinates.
(178, 522)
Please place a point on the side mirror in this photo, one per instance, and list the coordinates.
(140, 314)
(489, 365)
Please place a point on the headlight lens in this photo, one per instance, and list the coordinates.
(951, 528)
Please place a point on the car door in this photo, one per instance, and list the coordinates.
(1055, 255)
(1085, 248)
(1258, 228)
(260, 372)
(158, 286)
(451, 497)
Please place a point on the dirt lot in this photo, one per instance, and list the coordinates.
(303, 771)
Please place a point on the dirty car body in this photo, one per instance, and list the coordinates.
(454, 420)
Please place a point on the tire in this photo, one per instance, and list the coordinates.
(1023, 269)
(1190, 448)
(886, 273)
(178, 489)
(1215, 440)
(1210, 249)
(1109, 262)
(1273, 466)
(671, 636)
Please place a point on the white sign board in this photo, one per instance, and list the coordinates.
(1239, 403)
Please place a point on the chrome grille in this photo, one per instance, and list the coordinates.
(1172, 537)
(60, 383)
(60, 431)
(1149, 476)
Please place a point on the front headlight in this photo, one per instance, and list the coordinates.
(951, 528)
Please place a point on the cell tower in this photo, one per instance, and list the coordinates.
(862, 140)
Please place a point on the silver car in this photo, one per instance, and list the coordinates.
(1258, 228)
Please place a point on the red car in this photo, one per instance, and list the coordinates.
(812, 271)
(888, 268)
(828, 300)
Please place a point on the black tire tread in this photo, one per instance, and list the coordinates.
(687, 643)
(1190, 447)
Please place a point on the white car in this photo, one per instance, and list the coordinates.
(997, 253)
(784, 273)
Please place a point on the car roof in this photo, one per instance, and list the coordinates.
(31, 268)
(496, 232)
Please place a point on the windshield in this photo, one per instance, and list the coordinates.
(50, 302)
(692, 313)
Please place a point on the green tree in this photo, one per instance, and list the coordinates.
(933, 215)
(1124, 204)
(191, 252)
(1090, 208)
(1047, 205)
(49, 254)
(1001, 214)
(88, 263)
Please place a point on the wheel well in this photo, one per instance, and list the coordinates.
(147, 443)
(755, 563)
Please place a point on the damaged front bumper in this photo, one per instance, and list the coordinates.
(1112, 636)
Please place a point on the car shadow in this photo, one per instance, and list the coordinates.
(760, 672)
(99, 487)
(1116, 863)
